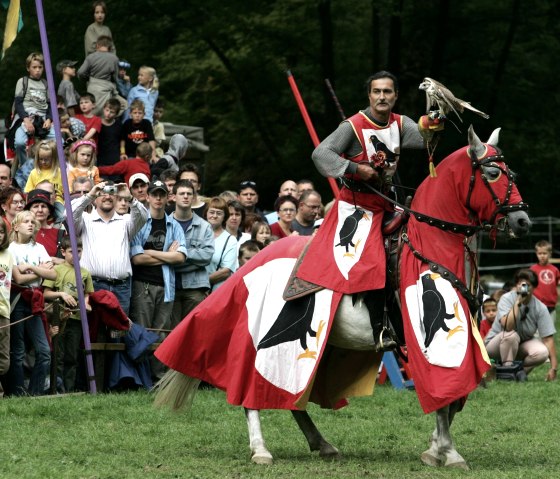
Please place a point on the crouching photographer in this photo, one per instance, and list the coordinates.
(512, 337)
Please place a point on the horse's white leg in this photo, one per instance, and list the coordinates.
(442, 452)
(259, 452)
(316, 441)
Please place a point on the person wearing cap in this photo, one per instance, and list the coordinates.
(132, 166)
(138, 185)
(249, 197)
(106, 237)
(39, 203)
(123, 81)
(67, 69)
(156, 248)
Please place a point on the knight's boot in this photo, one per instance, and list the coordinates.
(383, 337)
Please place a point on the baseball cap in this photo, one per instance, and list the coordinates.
(62, 64)
(157, 185)
(138, 176)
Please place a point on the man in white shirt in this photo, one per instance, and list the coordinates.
(106, 237)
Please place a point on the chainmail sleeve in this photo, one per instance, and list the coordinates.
(327, 156)
(411, 137)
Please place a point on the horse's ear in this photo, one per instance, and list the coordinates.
(475, 144)
(494, 137)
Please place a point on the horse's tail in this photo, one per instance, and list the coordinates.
(175, 390)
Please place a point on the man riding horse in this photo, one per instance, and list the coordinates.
(364, 149)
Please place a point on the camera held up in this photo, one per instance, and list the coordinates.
(524, 289)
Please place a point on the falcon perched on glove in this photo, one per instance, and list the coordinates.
(440, 97)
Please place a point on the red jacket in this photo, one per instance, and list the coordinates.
(126, 168)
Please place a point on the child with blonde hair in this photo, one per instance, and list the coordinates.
(32, 264)
(47, 167)
(82, 158)
(146, 91)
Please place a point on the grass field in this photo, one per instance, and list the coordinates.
(506, 431)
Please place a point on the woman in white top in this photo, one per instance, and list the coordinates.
(224, 260)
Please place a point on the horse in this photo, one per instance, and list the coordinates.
(328, 341)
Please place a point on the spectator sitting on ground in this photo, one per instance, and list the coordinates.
(489, 312)
(520, 316)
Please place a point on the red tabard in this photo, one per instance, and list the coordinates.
(347, 255)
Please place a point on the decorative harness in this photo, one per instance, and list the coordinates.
(468, 230)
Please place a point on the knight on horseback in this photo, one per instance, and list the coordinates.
(364, 150)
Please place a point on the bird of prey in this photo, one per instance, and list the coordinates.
(437, 95)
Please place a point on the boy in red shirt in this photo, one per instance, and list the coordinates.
(91, 121)
(549, 277)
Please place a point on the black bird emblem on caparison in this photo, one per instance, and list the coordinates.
(348, 230)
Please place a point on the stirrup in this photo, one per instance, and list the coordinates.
(386, 342)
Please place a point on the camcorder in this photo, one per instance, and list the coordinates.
(524, 289)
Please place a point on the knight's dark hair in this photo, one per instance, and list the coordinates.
(378, 76)
(527, 275)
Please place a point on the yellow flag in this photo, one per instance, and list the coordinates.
(12, 25)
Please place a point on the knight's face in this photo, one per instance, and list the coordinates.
(382, 97)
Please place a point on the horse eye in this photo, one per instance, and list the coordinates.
(493, 173)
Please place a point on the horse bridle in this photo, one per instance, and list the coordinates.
(502, 207)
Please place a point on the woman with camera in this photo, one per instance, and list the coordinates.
(520, 316)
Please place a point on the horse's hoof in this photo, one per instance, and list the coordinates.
(262, 458)
(328, 451)
(458, 465)
(429, 459)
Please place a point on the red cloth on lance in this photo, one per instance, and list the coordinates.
(219, 342)
(357, 263)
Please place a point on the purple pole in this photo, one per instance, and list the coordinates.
(69, 218)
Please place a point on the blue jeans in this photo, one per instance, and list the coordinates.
(33, 330)
(122, 291)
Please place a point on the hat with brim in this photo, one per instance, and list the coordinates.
(136, 177)
(61, 65)
(39, 196)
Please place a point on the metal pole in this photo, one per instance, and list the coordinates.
(309, 124)
(66, 191)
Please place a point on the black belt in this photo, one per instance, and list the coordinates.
(110, 281)
(356, 186)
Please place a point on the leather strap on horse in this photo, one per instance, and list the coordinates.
(443, 225)
(445, 273)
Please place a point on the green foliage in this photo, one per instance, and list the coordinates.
(222, 66)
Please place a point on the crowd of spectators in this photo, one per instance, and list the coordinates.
(145, 232)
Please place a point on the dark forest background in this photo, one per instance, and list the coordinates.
(222, 66)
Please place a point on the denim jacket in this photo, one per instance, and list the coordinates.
(199, 239)
(174, 233)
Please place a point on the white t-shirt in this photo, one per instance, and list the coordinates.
(29, 253)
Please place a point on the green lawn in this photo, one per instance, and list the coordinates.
(506, 431)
